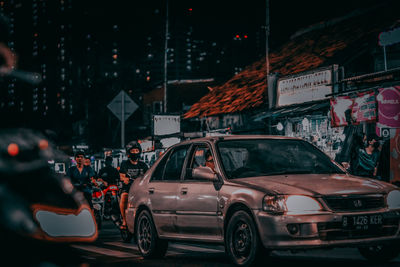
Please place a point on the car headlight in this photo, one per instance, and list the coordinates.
(393, 200)
(291, 204)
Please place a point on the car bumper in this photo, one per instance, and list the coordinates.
(323, 230)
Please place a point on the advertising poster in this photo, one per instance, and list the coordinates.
(389, 107)
(339, 106)
(364, 107)
(395, 157)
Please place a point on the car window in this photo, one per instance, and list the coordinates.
(197, 159)
(174, 165)
(252, 158)
(159, 171)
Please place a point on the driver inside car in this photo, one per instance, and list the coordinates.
(210, 161)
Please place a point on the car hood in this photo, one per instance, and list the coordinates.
(314, 184)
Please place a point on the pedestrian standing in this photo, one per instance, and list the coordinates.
(384, 162)
(367, 157)
(356, 145)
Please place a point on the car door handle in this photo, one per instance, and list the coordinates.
(184, 191)
(151, 190)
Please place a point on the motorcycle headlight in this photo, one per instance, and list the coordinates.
(393, 200)
(291, 204)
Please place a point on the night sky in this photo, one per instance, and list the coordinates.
(213, 20)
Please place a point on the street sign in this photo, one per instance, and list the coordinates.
(116, 106)
(389, 37)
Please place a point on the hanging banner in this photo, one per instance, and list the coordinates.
(389, 107)
(364, 107)
(395, 158)
(339, 106)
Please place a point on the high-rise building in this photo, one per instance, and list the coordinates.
(40, 35)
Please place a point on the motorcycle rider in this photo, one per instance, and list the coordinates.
(130, 170)
(108, 174)
(82, 176)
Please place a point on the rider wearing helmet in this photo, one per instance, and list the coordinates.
(130, 170)
(108, 174)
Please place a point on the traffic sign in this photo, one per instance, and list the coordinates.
(116, 106)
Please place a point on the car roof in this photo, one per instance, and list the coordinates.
(235, 137)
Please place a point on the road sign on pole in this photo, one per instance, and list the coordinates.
(122, 106)
(117, 105)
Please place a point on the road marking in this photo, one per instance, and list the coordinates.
(105, 251)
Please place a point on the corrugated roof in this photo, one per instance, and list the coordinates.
(322, 47)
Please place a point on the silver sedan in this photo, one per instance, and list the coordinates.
(255, 194)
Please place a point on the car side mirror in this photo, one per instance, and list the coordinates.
(204, 173)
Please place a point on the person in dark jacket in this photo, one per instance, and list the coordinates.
(82, 176)
(108, 174)
(383, 172)
(367, 158)
(130, 170)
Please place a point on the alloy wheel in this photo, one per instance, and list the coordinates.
(242, 240)
(145, 234)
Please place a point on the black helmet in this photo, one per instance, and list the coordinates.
(129, 146)
(133, 144)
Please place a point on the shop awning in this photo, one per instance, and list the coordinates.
(292, 110)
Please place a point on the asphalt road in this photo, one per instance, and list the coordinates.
(109, 250)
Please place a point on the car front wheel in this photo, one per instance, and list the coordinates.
(380, 253)
(150, 246)
(241, 240)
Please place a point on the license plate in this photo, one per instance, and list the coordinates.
(362, 222)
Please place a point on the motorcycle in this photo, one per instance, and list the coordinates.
(105, 201)
(38, 207)
(98, 206)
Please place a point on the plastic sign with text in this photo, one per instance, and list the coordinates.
(304, 88)
(166, 124)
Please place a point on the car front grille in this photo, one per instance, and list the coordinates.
(329, 231)
(355, 203)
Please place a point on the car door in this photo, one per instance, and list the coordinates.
(197, 202)
(163, 189)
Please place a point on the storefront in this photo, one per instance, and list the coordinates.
(371, 104)
(301, 108)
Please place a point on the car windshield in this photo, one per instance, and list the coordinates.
(265, 157)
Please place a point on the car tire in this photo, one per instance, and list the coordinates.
(380, 253)
(148, 242)
(242, 242)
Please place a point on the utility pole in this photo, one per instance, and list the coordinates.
(123, 120)
(166, 58)
(267, 37)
